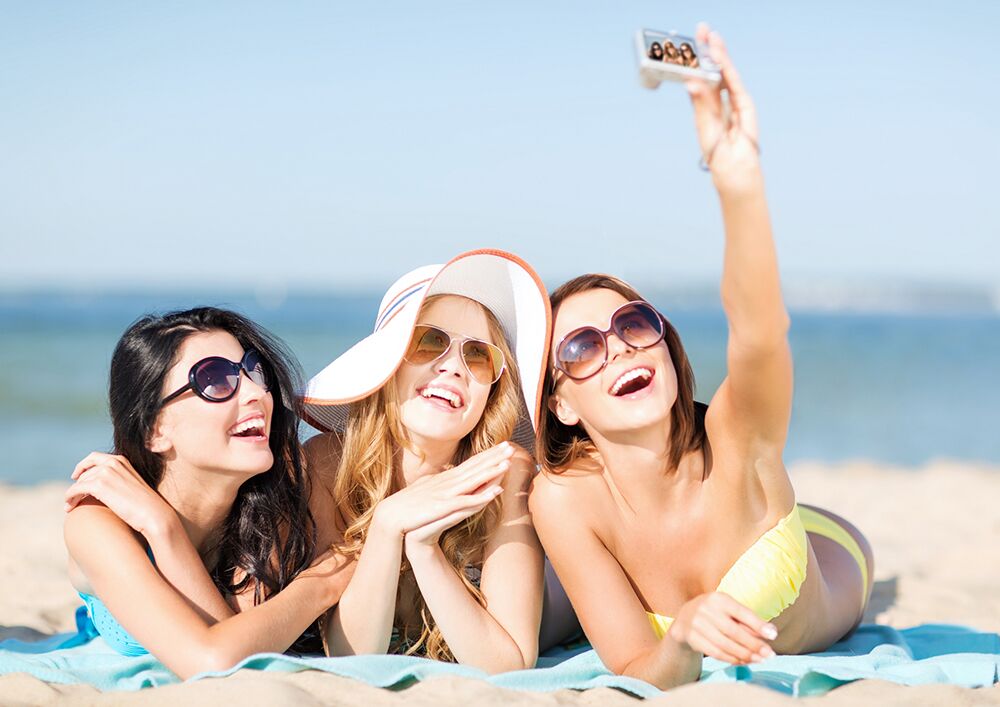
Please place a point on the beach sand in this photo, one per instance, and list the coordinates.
(935, 532)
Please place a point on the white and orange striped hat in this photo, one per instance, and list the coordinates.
(500, 281)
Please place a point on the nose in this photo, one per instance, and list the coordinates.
(617, 347)
(450, 361)
(250, 391)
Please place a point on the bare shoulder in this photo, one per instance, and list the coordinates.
(322, 454)
(89, 531)
(561, 495)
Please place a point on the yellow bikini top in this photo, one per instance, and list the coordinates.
(767, 577)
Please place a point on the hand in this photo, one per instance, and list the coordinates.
(113, 481)
(447, 497)
(719, 626)
(727, 134)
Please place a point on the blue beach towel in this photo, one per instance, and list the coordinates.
(915, 656)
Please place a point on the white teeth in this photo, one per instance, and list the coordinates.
(451, 397)
(630, 376)
(256, 425)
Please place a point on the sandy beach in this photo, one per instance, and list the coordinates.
(935, 532)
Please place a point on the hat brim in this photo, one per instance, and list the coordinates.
(500, 281)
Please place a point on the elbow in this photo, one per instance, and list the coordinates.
(211, 659)
(516, 659)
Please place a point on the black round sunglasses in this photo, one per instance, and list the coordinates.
(217, 379)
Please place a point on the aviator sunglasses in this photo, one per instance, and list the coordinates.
(217, 379)
(583, 352)
(484, 362)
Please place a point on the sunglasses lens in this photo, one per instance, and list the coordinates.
(638, 325)
(254, 367)
(582, 354)
(427, 344)
(484, 361)
(217, 378)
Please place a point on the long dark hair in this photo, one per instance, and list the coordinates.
(558, 446)
(270, 534)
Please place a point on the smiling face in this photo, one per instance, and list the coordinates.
(230, 436)
(440, 400)
(635, 390)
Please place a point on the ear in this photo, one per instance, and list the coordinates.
(563, 411)
(159, 441)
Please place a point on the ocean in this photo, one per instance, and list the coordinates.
(900, 388)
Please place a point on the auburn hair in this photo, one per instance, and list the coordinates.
(560, 446)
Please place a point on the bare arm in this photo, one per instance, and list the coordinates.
(113, 481)
(503, 635)
(753, 405)
(614, 618)
(114, 562)
(362, 622)
(605, 602)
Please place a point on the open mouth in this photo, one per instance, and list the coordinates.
(249, 428)
(443, 394)
(631, 382)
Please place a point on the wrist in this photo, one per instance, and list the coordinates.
(383, 527)
(161, 526)
(419, 550)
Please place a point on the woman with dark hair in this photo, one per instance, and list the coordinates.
(655, 51)
(194, 541)
(673, 526)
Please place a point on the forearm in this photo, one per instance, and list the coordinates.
(178, 562)
(269, 627)
(751, 286)
(363, 619)
(473, 635)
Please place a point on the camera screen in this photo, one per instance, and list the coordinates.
(672, 48)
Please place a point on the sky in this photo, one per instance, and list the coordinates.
(326, 145)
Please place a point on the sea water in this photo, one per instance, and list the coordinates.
(895, 388)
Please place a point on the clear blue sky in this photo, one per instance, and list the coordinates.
(336, 144)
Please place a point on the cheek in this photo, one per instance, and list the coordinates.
(479, 395)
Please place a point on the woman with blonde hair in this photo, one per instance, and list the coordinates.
(428, 491)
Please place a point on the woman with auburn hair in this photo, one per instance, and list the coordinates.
(673, 526)
(195, 541)
(429, 492)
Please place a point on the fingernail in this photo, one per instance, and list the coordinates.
(766, 652)
(770, 632)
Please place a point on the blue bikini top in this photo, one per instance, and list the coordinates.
(113, 633)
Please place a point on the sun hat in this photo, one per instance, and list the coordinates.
(500, 281)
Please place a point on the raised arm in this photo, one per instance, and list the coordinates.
(503, 635)
(754, 402)
(114, 562)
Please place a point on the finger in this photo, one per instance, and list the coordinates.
(88, 462)
(470, 483)
(495, 481)
(744, 113)
(74, 495)
(721, 644)
(710, 648)
(480, 460)
(743, 636)
(448, 521)
(748, 618)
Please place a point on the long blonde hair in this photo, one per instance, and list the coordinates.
(372, 443)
